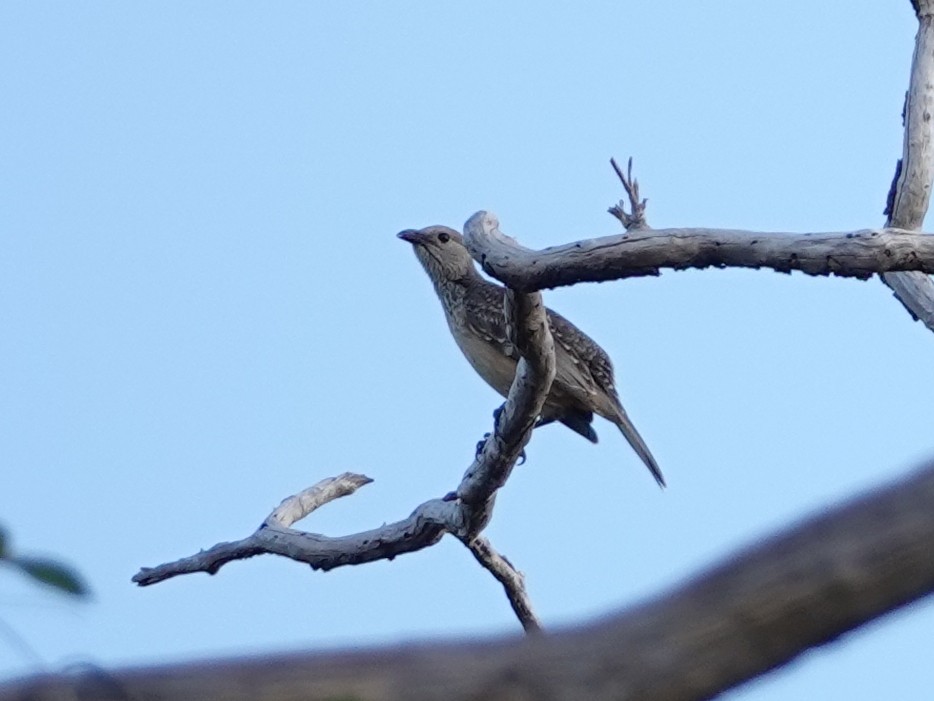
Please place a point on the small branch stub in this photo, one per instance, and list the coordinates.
(635, 220)
(512, 580)
(298, 506)
(525, 314)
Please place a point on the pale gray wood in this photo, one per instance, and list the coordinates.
(298, 506)
(641, 252)
(513, 581)
(912, 188)
(527, 327)
(425, 527)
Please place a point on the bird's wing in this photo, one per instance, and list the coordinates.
(485, 317)
(582, 364)
(583, 367)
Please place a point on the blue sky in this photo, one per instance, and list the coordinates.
(205, 307)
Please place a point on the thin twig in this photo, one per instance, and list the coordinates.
(512, 580)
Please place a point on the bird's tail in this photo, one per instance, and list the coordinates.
(635, 440)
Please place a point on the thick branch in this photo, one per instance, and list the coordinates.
(528, 329)
(912, 188)
(759, 609)
(296, 507)
(857, 254)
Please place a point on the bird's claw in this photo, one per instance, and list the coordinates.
(497, 414)
(481, 443)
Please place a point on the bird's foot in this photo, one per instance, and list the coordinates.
(481, 443)
(498, 414)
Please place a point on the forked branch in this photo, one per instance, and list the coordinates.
(464, 513)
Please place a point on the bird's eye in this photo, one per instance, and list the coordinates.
(444, 237)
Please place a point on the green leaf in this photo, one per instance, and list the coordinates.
(52, 573)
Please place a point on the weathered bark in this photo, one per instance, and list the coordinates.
(911, 190)
(641, 252)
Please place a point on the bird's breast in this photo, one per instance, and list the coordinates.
(495, 367)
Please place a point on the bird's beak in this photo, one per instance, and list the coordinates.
(410, 235)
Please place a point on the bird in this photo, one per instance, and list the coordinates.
(584, 382)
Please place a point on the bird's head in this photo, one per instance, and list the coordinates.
(441, 252)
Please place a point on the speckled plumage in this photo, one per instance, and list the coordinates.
(473, 306)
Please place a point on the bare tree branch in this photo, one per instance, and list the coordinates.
(908, 203)
(465, 513)
(527, 326)
(858, 254)
(758, 609)
(424, 527)
(512, 580)
(904, 264)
